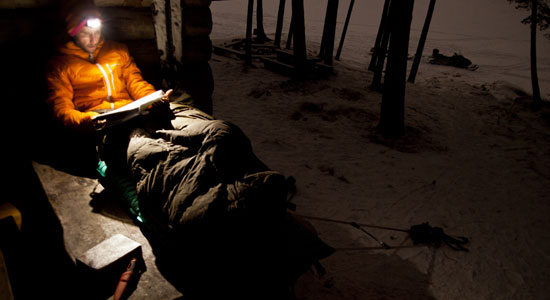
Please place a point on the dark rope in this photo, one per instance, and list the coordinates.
(420, 234)
(351, 223)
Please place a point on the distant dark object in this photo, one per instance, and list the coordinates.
(456, 60)
(426, 234)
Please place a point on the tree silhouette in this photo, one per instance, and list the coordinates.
(540, 16)
(392, 110)
(542, 13)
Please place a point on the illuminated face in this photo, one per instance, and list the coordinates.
(88, 38)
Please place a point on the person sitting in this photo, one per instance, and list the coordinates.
(89, 75)
(191, 182)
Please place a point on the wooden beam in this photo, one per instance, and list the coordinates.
(299, 32)
(378, 41)
(329, 32)
(382, 51)
(260, 32)
(170, 59)
(290, 36)
(280, 18)
(344, 31)
(421, 42)
(392, 110)
(248, 39)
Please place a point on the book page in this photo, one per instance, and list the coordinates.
(138, 105)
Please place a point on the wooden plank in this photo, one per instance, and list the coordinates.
(87, 221)
(279, 27)
(278, 66)
(421, 42)
(299, 33)
(344, 31)
(329, 32)
(248, 41)
(123, 23)
(379, 36)
(392, 110)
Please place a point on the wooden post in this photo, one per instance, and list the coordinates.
(324, 35)
(248, 40)
(169, 38)
(196, 74)
(381, 56)
(344, 31)
(537, 100)
(299, 33)
(381, 29)
(290, 35)
(260, 33)
(392, 111)
(421, 42)
(280, 18)
(329, 32)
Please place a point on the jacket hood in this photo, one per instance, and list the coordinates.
(71, 48)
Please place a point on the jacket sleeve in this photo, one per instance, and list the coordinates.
(135, 84)
(60, 100)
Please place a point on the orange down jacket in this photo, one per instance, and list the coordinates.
(79, 83)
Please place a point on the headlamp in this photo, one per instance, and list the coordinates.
(93, 22)
(90, 22)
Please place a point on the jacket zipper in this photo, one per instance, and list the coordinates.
(112, 77)
(108, 83)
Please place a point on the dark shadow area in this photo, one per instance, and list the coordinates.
(414, 140)
(244, 258)
(107, 204)
(358, 272)
(26, 49)
(232, 257)
(38, 265)
(372, 276)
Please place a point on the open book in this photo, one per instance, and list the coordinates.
(130, 110)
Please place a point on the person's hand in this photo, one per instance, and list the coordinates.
(166, 97)
(99, 124)
(164, 101)
(160, 110)
(89, 125)
(95, 124)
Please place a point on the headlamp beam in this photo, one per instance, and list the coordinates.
(93, 22)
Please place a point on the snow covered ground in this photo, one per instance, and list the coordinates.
(475, 159)
(488, 32)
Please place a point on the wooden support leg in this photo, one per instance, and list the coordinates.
(329, 32)
(381, 29)
(392, 111)
(280, 18)
(290, 35)
(344, 31)
(423, 36)
(381, 59)
(260, 32)
(248, 40)
(299, 33)
(169, 40)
